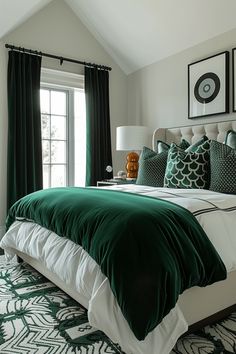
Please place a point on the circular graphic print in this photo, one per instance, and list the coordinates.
(207, 88)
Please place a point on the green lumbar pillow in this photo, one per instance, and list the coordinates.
(193, 147)
(230, 139)
(184, 144)
(162, 146)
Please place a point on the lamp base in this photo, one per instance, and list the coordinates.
(132, 165)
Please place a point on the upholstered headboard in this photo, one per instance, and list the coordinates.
(214, 131)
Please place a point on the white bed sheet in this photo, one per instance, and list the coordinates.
(215, 212)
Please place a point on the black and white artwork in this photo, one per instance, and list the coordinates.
(208, 86)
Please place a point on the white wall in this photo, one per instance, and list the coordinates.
(158, 94)
(56, 29)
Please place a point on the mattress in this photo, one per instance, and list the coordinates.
(78, 271)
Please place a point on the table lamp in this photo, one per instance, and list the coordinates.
(131, 138)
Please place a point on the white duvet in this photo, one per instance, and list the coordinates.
(215, 212)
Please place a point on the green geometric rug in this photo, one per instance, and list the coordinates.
(219, 338)
(37, 317)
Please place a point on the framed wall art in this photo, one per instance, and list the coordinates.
(208, 86)
(234, 77)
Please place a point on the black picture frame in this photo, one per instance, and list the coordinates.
(234, 79)
(208, 86)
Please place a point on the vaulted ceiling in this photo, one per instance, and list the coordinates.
(137, 33)
(14, 12)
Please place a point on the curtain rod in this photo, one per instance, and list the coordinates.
(35, 52)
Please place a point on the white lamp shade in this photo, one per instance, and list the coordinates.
(131, 137)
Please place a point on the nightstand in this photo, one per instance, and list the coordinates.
(111, 182)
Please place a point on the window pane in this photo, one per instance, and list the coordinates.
(58, 176)
(46, 151)
(46, 176)
(58, 151)
(45, 101)
(58, 127)
(45, 124)
(58, 102)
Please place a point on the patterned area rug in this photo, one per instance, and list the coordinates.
(37, 317)
(215, 339)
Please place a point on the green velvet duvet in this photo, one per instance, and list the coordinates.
(151, 250)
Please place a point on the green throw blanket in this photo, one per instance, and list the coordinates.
(151, 250)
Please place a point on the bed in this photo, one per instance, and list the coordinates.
(74, 271)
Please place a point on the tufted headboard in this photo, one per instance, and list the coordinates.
(214, 131)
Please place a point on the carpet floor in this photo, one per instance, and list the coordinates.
(37, 317)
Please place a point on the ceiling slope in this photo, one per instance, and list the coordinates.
(137, 33)
(15, 12)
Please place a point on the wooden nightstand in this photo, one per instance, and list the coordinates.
(111, 182)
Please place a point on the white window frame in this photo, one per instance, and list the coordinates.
(65, 81)
(50, 163)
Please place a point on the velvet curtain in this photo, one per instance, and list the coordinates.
(98, 154)
(24, 126)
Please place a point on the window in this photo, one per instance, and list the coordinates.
(63, 133)
(54, 119)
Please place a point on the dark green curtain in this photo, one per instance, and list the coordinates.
(98, 155)
(24, 126)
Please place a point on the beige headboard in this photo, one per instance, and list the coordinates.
(214, 131)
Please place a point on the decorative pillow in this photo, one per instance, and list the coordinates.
(230, 139)
(193, 147)
(223, 168)
(162, 146)
(188, 169)
(184, 144)
(152, 167)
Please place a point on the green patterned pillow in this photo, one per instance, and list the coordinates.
(187, 169)
(230, 139)
(162, 146)
(152, 167)
(223, 168)
(184, 144)
(193, 147)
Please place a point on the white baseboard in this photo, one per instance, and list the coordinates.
(2, 231)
